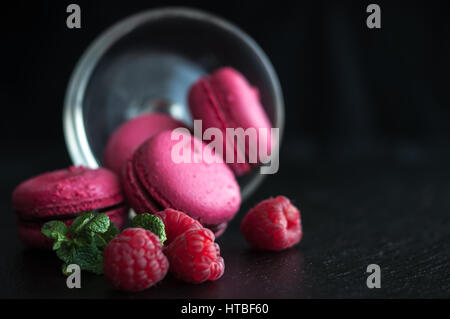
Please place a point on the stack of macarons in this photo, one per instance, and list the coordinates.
(140, 171)
(223, 99)
(64, 195)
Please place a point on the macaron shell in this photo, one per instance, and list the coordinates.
(30, 234)
(207, 192)
(66, 192)
(225, 99)
(128, 136)
(205, 105)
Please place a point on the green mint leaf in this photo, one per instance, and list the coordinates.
(83, 239)
(103, 239)
(82, 243)
(151, 223)
(89, 258)
(98, 224)
(112, 232)
(55, 230)
(97, 266)
(65, 252)
(57, 244)
(80, 222)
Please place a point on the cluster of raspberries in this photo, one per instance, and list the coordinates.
(136, 260)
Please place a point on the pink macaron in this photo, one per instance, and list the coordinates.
(64, 195)
(128, 136)
(205, 190)
(225, 99)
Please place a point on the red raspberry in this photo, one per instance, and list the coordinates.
(273, 224)
(134, 260)
(176, 223)
(195, 257)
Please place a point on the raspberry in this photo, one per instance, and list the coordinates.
(195, 257)
(273, 224)
(176, 223)
(134, 260)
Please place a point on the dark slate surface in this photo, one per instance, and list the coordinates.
(392, 211)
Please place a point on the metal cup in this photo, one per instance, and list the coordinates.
(146, 63)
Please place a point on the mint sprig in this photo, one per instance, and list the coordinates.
(151, 223)
(82, 243)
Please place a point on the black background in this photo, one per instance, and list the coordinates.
(342, 82)
(365, 151)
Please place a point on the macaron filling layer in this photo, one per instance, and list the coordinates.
(30, 233)
(147, 204)
(68, 216)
